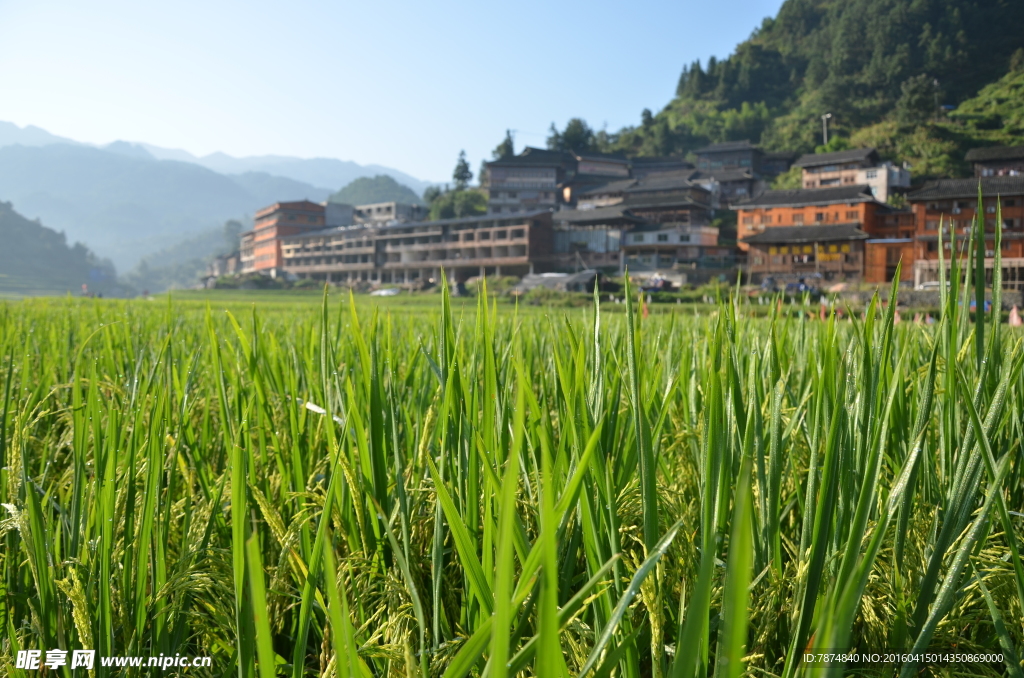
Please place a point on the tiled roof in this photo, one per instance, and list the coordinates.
(610, 187)
(788, 234)
(728, 147)
(968, 188)
(723, 176)
(645, 201)
(663, 181)
(802, 197)
(995, 153)
(598, 215)
(837, 158)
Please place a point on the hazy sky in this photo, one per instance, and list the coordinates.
(402, 84)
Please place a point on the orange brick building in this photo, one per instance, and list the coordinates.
(953, 203)
(261, 247)
(833, 232)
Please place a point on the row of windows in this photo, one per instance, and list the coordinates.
(798, 218)
(661, 237)
(809, 249)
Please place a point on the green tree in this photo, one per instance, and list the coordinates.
(917, 103)
(506, 149)
(577, 137)
(458, 203)
(462, 174)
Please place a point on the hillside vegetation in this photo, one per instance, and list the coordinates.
(884, 69)
(381, 188)
(38, 260)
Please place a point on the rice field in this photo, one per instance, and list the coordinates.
(329, 490)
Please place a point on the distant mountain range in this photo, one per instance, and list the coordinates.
(126, 200)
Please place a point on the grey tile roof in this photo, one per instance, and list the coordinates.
(728, 147)
(803, 197)
(723, 176)
(610, 187)
(837, 158)
(968, 188)
(995, 153)
(789, 234)
(663, 181)
(613, 213)
(648, 201)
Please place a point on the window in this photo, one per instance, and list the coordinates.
(798, 219)
(819, 216)
(501, 235)
(931, 225)
(512, 194)
(832, 249)
(663, 237)
(637, 237)
(991, 209)
(766, 219)
(748, 220)
(784, 250)
(1009, 203)
(518, 233)
(871, 174)
(852, 215)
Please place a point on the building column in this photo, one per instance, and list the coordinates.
(497, 271)
(483, 272)
(328, 277)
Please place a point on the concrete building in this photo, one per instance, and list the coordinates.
(261, 247)
(952, 204)
(997, 161)
(383, 213)
(855, 167)
(406, 253)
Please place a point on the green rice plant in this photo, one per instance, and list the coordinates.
(342, 489)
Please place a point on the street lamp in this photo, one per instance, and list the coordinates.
(824, 126)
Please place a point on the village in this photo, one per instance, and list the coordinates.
(853, 221)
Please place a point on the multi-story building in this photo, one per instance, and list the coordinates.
(778, 162)
(591, 238)
(669, 198)
(652, 247)
(731, 155)
(529, 181)
(492, 244)
(261, 248)
(821, 230)
(997, 161)
(388, 212)
(952, 204)
(541, 179)
(855, 167)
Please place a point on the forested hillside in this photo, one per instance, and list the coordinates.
(38, 260)
(913, 67)
(381, 188)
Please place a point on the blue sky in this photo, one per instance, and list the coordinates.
(402, 84)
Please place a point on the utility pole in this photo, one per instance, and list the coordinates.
(824, 127)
